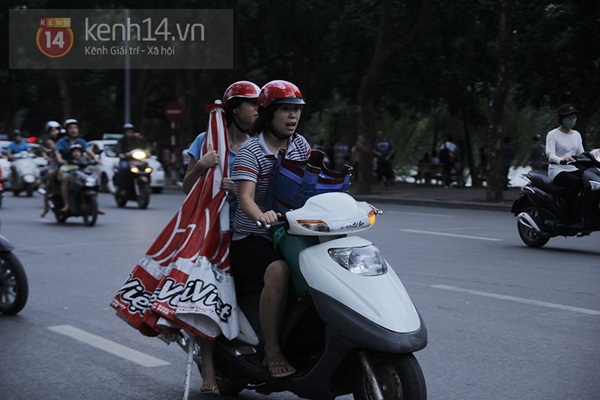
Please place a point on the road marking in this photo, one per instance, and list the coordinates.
(109, 346)
(419, 214)
(519, 300)
(452, 235)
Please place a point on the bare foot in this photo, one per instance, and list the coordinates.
(278, 365)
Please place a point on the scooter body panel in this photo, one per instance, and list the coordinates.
(381, 299)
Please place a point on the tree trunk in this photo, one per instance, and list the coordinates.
(496, 177)
(141, 83)
(467, 159)
(384, 50)
(65, 94)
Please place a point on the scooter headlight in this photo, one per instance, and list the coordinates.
(138, 154)
(135, 170)
(365, 260)
(148, 170)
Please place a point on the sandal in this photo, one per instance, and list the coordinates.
(278, 362)
(210, 390)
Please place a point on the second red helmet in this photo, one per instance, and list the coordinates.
(243, 89)
(279, 92)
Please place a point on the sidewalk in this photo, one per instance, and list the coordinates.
(437, 196)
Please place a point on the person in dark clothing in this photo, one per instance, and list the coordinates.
(130, 141)
(384, 151)
(537, 154)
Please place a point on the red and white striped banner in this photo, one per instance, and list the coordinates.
(184, 280)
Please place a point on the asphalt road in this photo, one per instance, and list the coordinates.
(505, 321)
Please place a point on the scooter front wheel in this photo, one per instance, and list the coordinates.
(143, 195)
(14, 288)
(399, 377)
(89, 209)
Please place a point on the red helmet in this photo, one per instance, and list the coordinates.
(244, 89)
(279, 92)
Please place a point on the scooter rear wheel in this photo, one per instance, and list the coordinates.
(14, 288)
(529, 236)
(399, 377)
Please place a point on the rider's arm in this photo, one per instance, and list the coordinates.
(196, 169)
(246, 191)
(551, 149)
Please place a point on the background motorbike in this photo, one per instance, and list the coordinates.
(1, 187)
(539, 205)
(135, 185)
(350, 326)
(83, 194)
(14, 288)
(25, 177)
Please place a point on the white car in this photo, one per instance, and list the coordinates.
(107, 151)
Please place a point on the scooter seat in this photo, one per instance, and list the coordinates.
(541, 180)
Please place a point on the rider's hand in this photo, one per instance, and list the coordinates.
(228, 186)
(268, 218)
(567, 160)
(209, 159)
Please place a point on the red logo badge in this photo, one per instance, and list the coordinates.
(54, 36)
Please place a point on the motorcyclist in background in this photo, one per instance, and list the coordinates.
(130, 141)
(63, 156)
(562, 144)
(52, 132)
(15, 147)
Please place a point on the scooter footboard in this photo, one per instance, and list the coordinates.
(357, 331)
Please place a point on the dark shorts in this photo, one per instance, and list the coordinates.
(250, 258)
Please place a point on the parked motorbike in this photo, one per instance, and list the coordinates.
(350, 326)
(83, 194)
(135, 185)
(25, 177)
(14, 288)
(538, 207)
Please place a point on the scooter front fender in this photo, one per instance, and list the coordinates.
(5, 245)
(381, 299)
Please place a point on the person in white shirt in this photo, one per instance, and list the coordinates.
(562, 144)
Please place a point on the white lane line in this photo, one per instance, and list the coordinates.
(419, 214)
(519, 300)
(453, 235)
(109, 346)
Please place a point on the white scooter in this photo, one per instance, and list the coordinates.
(26, 176)
(350, 326)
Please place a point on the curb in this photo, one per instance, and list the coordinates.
(503, 207)
(391, 199)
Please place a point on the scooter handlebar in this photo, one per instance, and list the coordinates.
(281, 222)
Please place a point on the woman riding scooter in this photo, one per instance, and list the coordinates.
(562, 144)
(258, 267)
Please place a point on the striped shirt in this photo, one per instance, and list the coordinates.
(254, 162)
